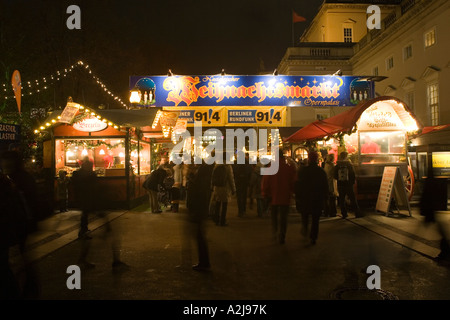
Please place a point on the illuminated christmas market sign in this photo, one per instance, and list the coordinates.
(232, 90)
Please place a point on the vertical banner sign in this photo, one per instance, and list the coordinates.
(392, 186)
(17, 87)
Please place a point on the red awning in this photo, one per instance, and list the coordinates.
(434, 128)
(343, 122)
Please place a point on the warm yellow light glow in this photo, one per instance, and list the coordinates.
(36, 131)
(121, 154)
(42, 128)
(102, 152)
(84, 152)
(53, 120)
(135, 96)
(69, 153)
(59, 117)
(47, 124)
(116, 127)
(110, 124)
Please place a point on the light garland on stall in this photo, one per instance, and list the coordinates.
(84, 112)
(42, 84)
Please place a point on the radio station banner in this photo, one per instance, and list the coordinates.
(209, 116)
(232, 116)
(259, 116)
(268, 90)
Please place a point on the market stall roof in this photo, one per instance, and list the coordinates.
(121, 117)
(347, 120)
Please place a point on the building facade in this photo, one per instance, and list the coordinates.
(411, 50)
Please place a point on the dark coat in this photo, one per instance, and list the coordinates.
(85, 183)
(351, 172)
(311, 188)
(199, 191)
(156, 178)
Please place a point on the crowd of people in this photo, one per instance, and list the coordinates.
(208, 189)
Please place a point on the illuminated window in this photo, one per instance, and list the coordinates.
(375, 71)
(430, 38)
(389, 63)
(407, 52)
(348, 37)
(433, 103)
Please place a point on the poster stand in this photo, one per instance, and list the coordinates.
(392, 192)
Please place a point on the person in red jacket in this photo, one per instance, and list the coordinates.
(278, 189)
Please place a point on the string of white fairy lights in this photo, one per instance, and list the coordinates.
(41, 84)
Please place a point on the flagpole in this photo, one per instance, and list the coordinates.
(292, 25)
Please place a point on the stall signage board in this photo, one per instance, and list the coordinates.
(91, 124)
(392, 186)
(69, 112)
(232, 116)
(208, 116)
(380, 116)
(253, 90)
(9, 132)
(262, 117)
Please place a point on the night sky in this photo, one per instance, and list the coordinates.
(121, 38)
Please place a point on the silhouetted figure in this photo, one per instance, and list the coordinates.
(85, 183)
(199, 194)
(177, 183)
(242, 174)
(345, 176)
(278, 189)
(223, 186)
(151, 184)
(428, 205)
(330, 204)
(255, 189)
(19, 195)
(12, 232)
(311, 195)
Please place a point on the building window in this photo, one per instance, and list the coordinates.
(409, 99)
(430, 38)
(389, 63)
(407, 52)
(433, 103)
(348, 37)
(322, 116)
(375, 71)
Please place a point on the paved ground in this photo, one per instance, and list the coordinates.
(246, 264)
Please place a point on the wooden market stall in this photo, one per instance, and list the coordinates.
(114, 140)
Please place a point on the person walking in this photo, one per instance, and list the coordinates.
(278, 190)
(330, 204)
(428, 209)
(311, 195)
(242, 174)
(255, 189)
(222, 183)
(85, 180)
(155, 179)
(344, 173)
(199, 194)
